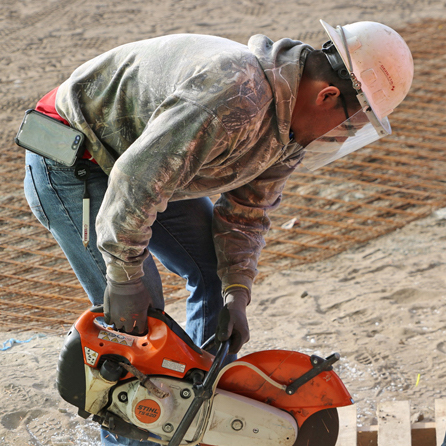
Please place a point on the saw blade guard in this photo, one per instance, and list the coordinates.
(324, 391)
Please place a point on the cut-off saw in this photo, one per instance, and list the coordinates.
(162, 387)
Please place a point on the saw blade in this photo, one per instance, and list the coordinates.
(320, 429)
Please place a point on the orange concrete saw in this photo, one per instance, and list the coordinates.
(162, 387)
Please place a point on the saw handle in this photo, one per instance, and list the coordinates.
(319, 365)
(207, 345)
(203, 392)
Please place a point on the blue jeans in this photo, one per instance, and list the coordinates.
(181, 240)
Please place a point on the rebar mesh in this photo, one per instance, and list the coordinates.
(367, 194)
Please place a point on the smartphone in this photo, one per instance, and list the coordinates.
(50, 138)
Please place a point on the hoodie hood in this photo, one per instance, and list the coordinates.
(282, 62)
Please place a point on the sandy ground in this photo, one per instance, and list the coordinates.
(381, 305)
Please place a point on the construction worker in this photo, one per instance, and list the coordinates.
(172, 120)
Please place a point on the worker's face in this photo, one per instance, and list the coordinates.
(319, 126)
(319, 112)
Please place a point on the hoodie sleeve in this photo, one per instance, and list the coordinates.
(241, 221)
(167, 155)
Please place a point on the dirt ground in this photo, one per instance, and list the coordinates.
(381, 305)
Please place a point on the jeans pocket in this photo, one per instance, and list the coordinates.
(32, 197)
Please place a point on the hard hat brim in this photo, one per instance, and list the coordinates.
(337, 41)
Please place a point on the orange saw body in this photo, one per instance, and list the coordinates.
(163, 385)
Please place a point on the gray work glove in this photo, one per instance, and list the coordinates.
(232, 321)
(126, 305)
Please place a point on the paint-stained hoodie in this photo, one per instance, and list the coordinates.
(189, 116)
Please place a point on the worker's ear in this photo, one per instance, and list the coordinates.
(328, 96)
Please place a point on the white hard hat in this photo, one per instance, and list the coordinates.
(379, 59)
(380, 65)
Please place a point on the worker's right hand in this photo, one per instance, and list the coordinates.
(126, 305)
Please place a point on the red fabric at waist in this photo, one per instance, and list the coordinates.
(47, 106)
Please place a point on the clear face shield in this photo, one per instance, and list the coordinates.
(357, 131)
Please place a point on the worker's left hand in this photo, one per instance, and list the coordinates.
(232, 320)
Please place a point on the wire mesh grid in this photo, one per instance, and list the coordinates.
(360, 197)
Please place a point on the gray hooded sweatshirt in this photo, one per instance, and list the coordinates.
(189, 116)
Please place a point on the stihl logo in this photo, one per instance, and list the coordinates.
(147, 411)
(150, 411)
